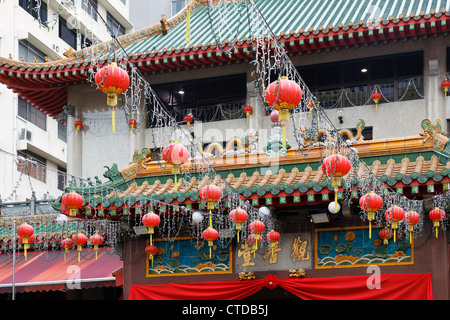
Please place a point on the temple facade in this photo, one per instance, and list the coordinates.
(376, 75)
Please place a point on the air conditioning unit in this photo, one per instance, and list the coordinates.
(25, 134)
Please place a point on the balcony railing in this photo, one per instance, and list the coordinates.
(223, 111)
(391, 91)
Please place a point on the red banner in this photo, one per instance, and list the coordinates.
(382, 287)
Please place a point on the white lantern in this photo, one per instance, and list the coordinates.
(197, 217)
(264, 212)
(61, 219)
(334, 207)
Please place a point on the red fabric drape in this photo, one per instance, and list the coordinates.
(391, 287)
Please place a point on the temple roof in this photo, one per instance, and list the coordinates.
(300, 27)
(401, 163)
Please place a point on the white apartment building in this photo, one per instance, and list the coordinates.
(33, 146)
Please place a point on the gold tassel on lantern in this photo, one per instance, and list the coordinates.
(370, 217)
(25, 247)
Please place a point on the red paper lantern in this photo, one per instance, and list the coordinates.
(248, 111)
(385, 234)
(151, 221)
(411, 219)
(445, 85)
(210, 194)
(238, 216)
(283, 95)
(132, 123)
(272, 237)
(151, 251)
(72, 201)
(96, 240)
(371, 203)
(394, 214)
(113, 81)
(336, 166)
(254, 240)
(176, 155)
(376, 96)
(256, 227)
(210, 234)
(188, 118)
(78, 124)
(66, 244)
(436, 215)
(79, 240)
(25, 231)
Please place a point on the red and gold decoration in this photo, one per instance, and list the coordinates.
(256, 228)
(113, 81)
(96, 240)
(371, 203)
(151, 251)
(394, 214)
(385, 234)
(67, 245)
(176, 155)
(25, 232)
(72, 201)
(411, 219)
(78, 124)
(436, 215)
(283, 95)
(248, 111)
(188, 119)
(336, 166)
(79, 240)
(151, 221)
(210, 194)
(132, 124)
(272, 237)
(445, 84)
(376, 96)
(238, 216)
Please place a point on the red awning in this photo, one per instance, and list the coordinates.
(44, 271)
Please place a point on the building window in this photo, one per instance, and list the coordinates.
(177, 6)
(114, 26)
(90, 6)
(62, 131)
(357, 78)
(32, 114)
(38, 9)
(32, 165)
(67, 33)
(210, 99)
(62, 178)
(30, 52)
